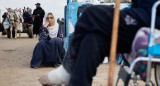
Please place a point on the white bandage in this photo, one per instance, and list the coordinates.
(59, 76)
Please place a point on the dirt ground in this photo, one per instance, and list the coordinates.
(15, 56)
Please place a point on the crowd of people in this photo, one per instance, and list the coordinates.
(49, 50)
(36, 18)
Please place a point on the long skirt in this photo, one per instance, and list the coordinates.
(47, 53)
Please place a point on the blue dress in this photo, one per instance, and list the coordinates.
(48, 52)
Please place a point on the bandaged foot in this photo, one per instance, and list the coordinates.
(56, 77)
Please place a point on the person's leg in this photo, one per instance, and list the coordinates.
(34, 27)
(37, 57)
(81, 72)
(89, 22)
(94, 47)
(98, 19)
(95, 20)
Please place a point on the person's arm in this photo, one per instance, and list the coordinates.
(42, 14)
(43, 33)
(34, 14)
(60, 33)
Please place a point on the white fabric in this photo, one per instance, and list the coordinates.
(29, 11)
(19, 27)
(46, 14)
(19, 23)
(6, 24)
(53, 31)
(59, 76)
(19, 16)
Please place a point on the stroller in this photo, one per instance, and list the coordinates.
(152, 60)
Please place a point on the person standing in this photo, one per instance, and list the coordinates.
(38, 15)
(5, 23)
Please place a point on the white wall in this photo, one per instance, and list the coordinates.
(56, 6)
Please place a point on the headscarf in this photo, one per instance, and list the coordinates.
(53, 30)
(29, 10)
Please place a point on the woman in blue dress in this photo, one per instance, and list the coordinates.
(49, 50)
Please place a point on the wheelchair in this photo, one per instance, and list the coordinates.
(152, 59)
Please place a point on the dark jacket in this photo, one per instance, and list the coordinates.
(38, 20)
(142, 9)
(4, 16)
(145, 4)
(39, 11)
(27, 18)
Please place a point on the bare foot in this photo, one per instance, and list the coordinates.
(45, 81)
(56, 77)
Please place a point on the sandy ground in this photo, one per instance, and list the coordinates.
(15, 56)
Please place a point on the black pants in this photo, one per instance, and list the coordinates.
(90, 42)
(36, 25)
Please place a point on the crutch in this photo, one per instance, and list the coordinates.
(114, 43)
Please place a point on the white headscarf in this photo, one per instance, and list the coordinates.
(29, 11)
(53, 30)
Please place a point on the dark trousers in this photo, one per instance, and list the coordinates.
(90, 42)
(36, 25)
